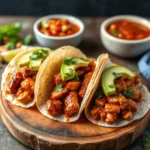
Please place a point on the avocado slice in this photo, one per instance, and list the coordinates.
(34, 65)
(110, 74)
(70, 64)
(24, 60)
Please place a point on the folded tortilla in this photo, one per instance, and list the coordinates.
(12, 68)
(143, 106)
(52, 66)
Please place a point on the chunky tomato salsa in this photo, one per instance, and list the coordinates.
(58, 27)
(128, 30)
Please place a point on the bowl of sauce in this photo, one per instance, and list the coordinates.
(126, 35)
(58, 30)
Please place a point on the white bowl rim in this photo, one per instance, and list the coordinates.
(122, 17)
(69, 17)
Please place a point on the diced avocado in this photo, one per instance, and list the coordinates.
(34, 65)
(24, 60)
(45, 24)
(110, 74)
(70, 64)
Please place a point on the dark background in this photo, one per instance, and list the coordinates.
(75, 7)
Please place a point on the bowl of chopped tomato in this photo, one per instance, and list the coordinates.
(126, 35)
(58, 30)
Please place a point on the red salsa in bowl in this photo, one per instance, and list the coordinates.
(128, 30)
(58, 27)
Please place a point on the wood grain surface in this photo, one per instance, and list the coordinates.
(92, 47)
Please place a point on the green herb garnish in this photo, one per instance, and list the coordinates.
(36, 55)
(85, 59)
(128, 93)
(59, 87)
(76, 78)
(27, 40)
(115, 32)
(113, 86)
(10, 45)
(44, 51)
(99, 93)
(116, 74)
(71, 73)
(146, 143)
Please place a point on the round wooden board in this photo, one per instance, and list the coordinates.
(33, 129)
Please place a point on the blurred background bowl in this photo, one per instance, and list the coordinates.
(57, 41)
(121, 47)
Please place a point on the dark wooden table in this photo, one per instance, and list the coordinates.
(91, 45)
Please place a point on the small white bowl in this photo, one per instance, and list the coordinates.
(55, 41)
(120, 47)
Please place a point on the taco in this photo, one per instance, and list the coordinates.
(19, 77)
(65, 80)
(117, 98)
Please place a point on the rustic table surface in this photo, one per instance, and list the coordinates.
(91, 45)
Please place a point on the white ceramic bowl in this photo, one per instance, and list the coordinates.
(54, 41)
(120, 47)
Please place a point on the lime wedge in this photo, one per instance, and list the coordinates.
(9, 55)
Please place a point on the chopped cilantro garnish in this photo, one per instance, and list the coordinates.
(44, 51)
(10, 45)
(146, 143)
(85, 59)
(27, 40)
(71, 73)
(36, 55)
(99, 93)
(113, 86)
(76, 78)
(115, 32)
(68, 61)
(128, 93)
(59, 87)
(116, 74)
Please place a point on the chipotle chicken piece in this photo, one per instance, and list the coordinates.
(101, 101)
(137, 79)
(121, 83)
(126, 114)
(111, 108)
(129, 82)
(72, 105)
(79, 71)
(123, 102)
(54, 107)
(137, 96)
(26, 72)
(85, 83)
(73, 85)
(26, 90)
(133, 105)
(103, 115)
(113, 99)
(14, 83)
(60, 94)
(111, 117)
(59, 80)
(95, 113)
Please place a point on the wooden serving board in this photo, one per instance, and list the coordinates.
(33, 129)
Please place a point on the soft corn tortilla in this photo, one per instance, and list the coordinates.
(12, 68)
(44, 87)
(143, 106)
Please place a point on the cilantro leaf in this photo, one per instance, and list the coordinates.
(128, 93)
(68, 61)
(113, 86)
(59, 87)
(99, 93)
(115, 32)
(27, 40)
(85, 59)
(76, 78)
(116, 74)
(10, 45)
(71, 73)
(146, 143)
